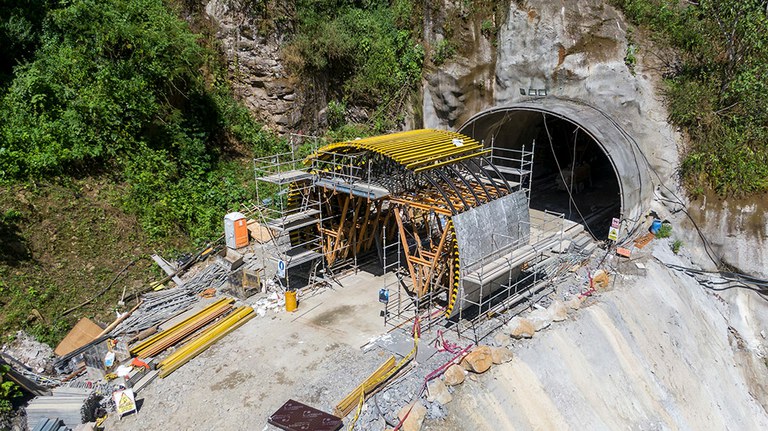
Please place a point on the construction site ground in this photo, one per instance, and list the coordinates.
(656, 351)
(313, 355)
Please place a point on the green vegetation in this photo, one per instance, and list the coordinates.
(665, 231)
(365, 51)
(115, 89)
(676, 246)
(716, 86)
(8, 391)
(444, 50)
(118, 135)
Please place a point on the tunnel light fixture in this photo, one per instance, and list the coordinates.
(531, 91)
(522, 92)
(542, 92)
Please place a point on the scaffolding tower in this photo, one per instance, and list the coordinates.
(287, 210)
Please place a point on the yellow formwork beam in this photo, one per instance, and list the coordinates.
(138, 348)
(412, 148)
(205, 340)
(449, 161)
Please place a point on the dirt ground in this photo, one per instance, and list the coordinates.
(656, 352)
(313, 355)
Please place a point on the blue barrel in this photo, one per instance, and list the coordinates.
(655, 226)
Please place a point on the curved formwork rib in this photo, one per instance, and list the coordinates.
(410, 185)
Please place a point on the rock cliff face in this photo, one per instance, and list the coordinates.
(253, 60)
(571, 49)
(578, 49)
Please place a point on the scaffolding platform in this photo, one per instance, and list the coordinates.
(297, 256)
(507, 170)
(294, 221)
(358, 188)
(287, 177)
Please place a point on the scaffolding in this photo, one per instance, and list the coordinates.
(511, 273)
(399, 198)
(287, 210)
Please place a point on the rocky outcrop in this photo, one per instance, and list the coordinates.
(571, 49)
(256, 71)
(454, 375)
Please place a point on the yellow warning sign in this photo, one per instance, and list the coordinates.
(124, 401)
(613, 234)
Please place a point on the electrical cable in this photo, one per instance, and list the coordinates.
(560, 171)
(573, 165)
(707, 246)
(729, 280)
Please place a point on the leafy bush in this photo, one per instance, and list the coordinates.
(487, 29)
(716, 86)
(116, 87)
(444, 50)
(359, 47)
(665, 231)
(337, 112)
(9, 390)
(676, 246)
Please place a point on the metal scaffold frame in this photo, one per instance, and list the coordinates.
(395, 197)
(287, 210)
(514, 167)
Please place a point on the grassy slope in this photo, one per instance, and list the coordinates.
(61, 244)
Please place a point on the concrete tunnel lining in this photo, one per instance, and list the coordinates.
(629, 165)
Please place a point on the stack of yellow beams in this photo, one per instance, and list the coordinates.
(206, 339)
(351, 400)
(180, 331)
(417, 150)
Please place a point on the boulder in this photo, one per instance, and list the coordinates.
(574, 303)
(500, 355)
(600, 280)
(540, 319)
(438, 392)
(454, 375)
(558, 311)
(478, 360)
(519, 327)
(415, 418)
(501, 339)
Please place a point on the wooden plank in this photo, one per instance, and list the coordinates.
(644, 240)
(437, 253)
(83, 333)
(165, 266)
(404, 242)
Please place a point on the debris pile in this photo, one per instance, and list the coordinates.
(161, 305)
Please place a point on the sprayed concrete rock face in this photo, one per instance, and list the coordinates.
(500, 355)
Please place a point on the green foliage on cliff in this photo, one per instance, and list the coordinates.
(717, 86)
(115, 88)
(365, 51)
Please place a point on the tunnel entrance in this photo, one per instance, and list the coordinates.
(584, 167)
(572, 175)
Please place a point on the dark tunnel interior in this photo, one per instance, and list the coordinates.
(571, 175)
